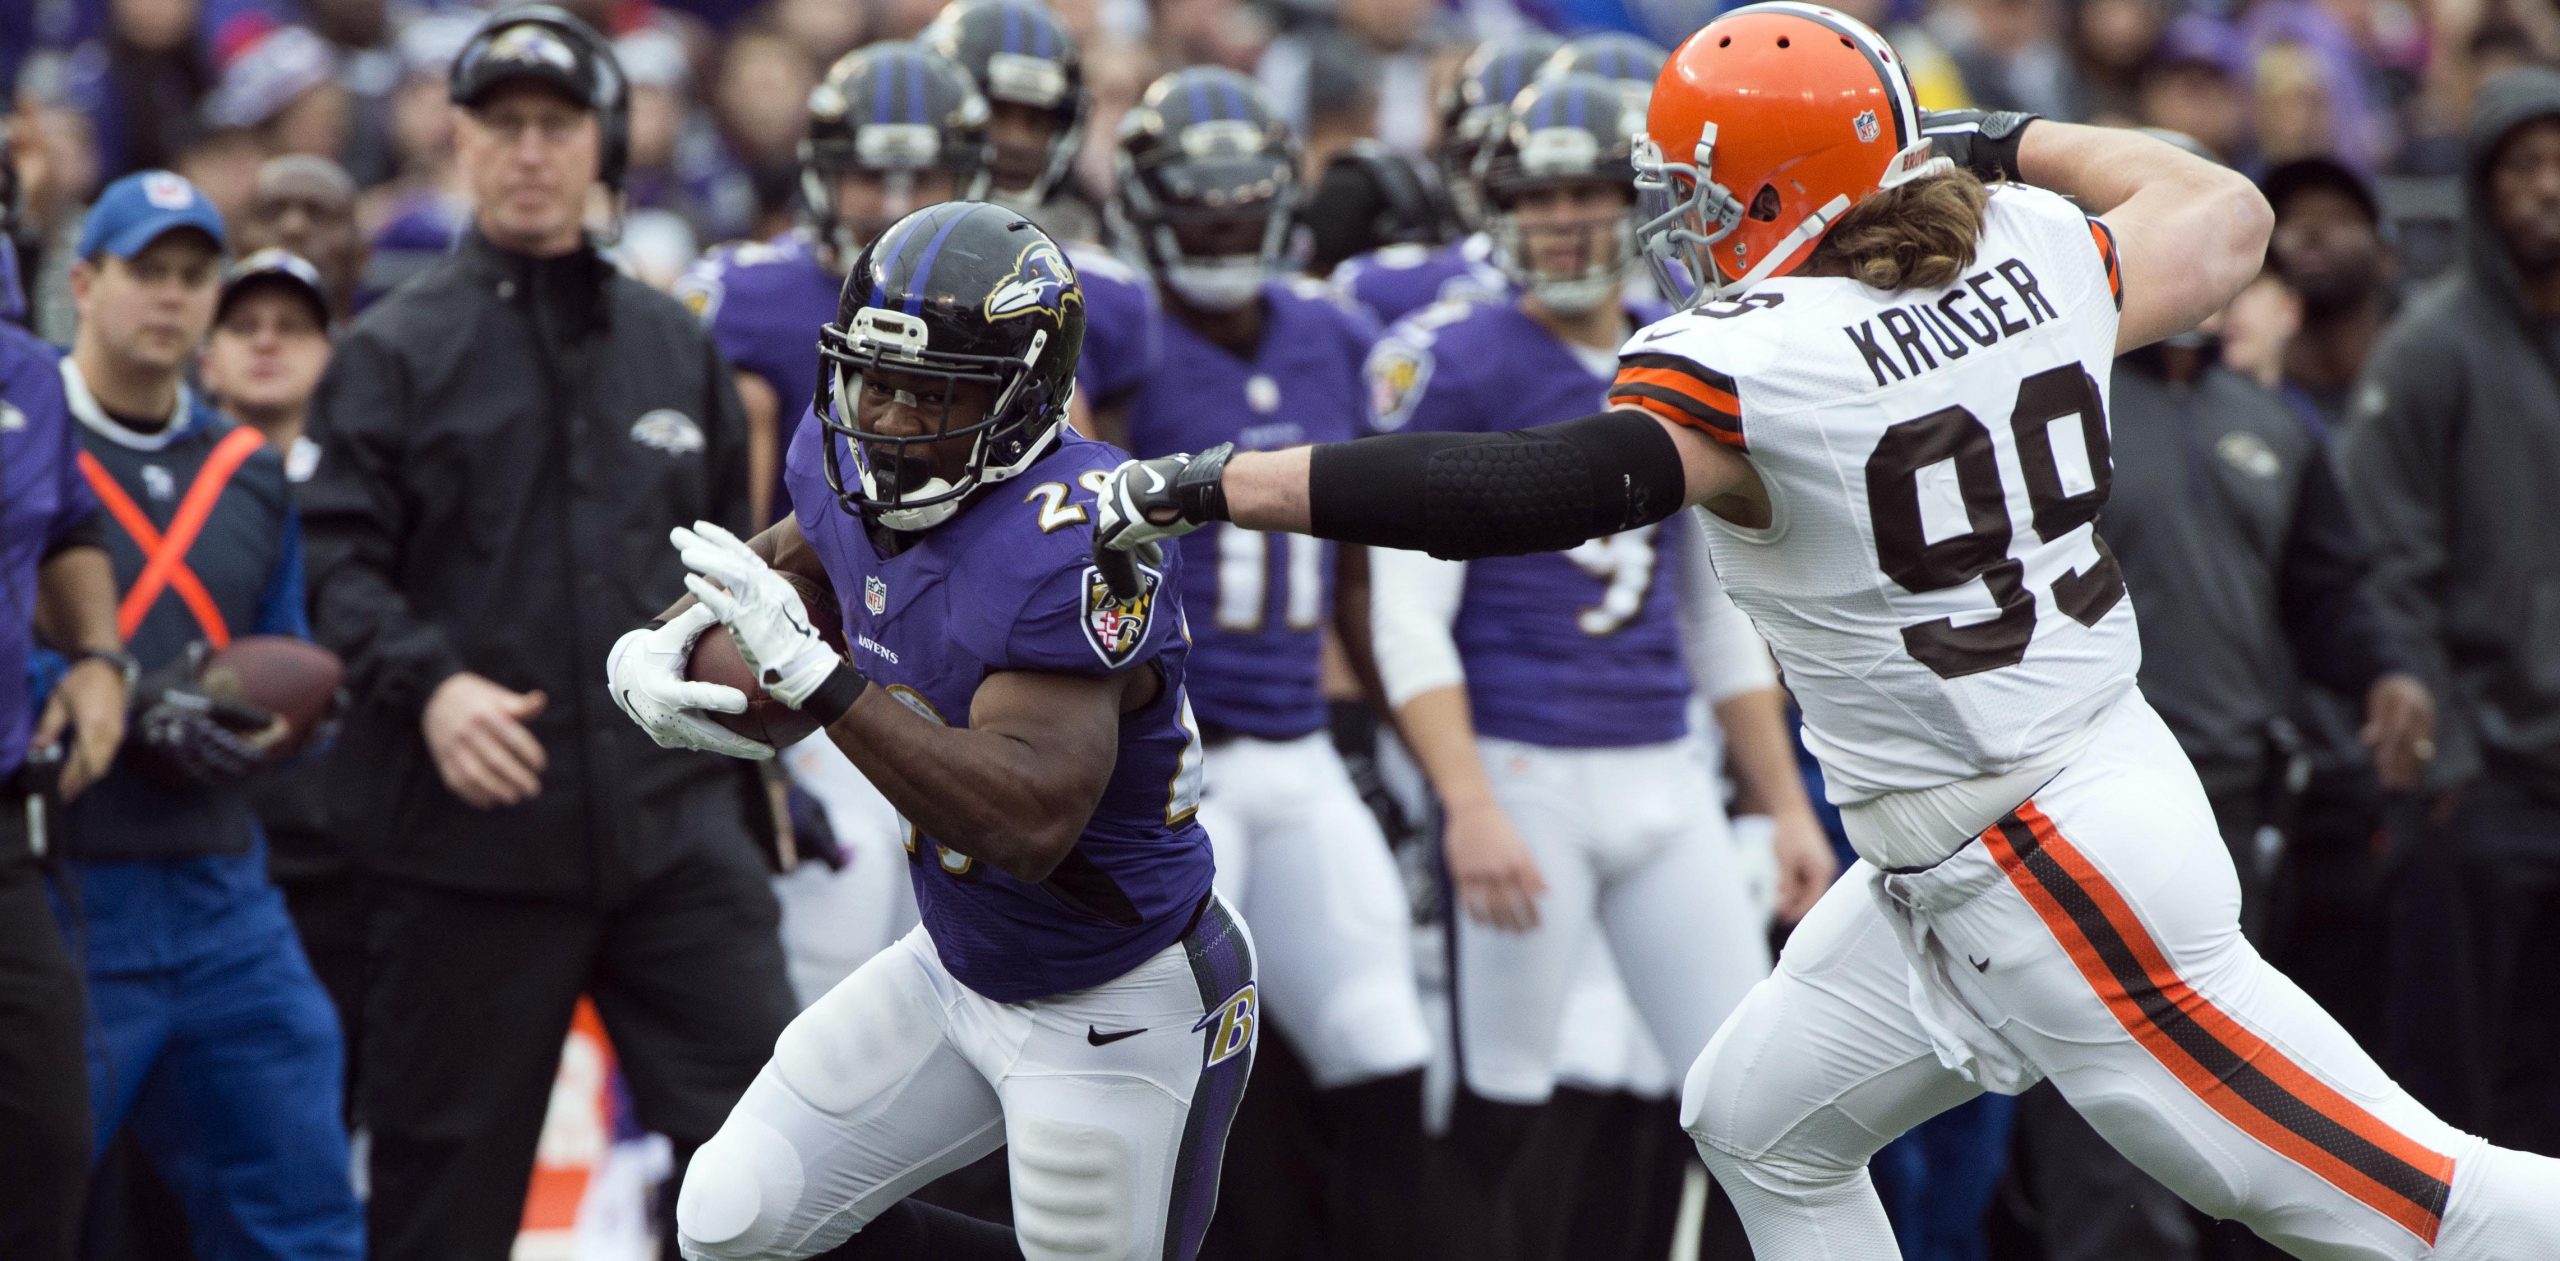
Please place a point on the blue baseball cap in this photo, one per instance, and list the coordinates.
(142, 208)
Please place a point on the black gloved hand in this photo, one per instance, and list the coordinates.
(187, 739)
(1144, 502)
(1984, 142)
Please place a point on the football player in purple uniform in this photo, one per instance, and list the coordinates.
(1547, 697)
(1025, 63)
(1077, 991)
(1206, 191)
(891, 128)
(1397, 280)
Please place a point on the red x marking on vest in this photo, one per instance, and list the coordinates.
(164, 557)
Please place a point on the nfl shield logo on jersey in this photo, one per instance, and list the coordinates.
(1868, 128)
(875, 594)
(1116, 627)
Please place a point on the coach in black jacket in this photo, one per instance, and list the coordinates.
(504, 443)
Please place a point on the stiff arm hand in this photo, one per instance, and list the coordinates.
(1148, 501)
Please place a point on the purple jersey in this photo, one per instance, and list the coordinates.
(1263, 598)
(764, 302)
(1577, 649)
(1395, 281)
(1121, 337)
(1009, 584)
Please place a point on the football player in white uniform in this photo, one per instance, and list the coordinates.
(1548, 697)
(1889, 395)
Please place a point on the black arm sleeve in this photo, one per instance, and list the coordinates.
(1465, 496)
(2332, 616)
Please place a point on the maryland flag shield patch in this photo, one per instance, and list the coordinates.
(1398, 370)
(1116, 628)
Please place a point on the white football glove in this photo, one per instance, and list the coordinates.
(645, 673)
(761, 611)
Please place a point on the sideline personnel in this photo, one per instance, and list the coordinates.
(56, 582)
(211, 1037)
(504, 443)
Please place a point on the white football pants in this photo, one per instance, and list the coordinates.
(1113, 1102)
(1299, 854)
(833, 921)
(1637, 858)
(2093, 937)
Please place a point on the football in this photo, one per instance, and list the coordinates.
(715, 659)
(294, 679)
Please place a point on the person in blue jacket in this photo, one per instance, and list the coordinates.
(209, 1037)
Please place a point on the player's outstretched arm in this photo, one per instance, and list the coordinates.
(2189, 234)
(1457, 496)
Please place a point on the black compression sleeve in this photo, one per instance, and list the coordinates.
(1463, 496)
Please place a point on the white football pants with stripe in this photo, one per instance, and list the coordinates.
(1112, 1103)
(1638, 861)
(2092, 937)
(1299, 854)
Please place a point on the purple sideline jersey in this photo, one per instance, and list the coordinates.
(42, 498)
(1121, 334)
(1577, 649)
(1395, 281)
(764, 302)
(1263, 599)
(1009, 584)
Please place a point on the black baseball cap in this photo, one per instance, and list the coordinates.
(281, 268)
(539, 43)
(2301, 174)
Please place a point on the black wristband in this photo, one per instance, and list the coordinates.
(842, 688)
(657, 623)
(117, 659)
(1200, 490)
(1984, 142)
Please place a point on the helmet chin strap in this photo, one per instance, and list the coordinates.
(1908, 166)
(1806, 233)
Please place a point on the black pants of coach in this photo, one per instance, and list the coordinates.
(2472, 1013)
(44, 1071)
(469, 996)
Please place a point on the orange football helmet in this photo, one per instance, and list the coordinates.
(1766, 126)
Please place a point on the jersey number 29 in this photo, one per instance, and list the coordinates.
(1909, 557)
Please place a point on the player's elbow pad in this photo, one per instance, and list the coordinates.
(1467, 496)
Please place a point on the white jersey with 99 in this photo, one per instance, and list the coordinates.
(1929, 578)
